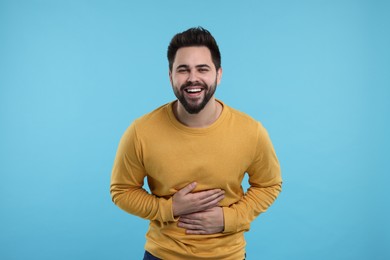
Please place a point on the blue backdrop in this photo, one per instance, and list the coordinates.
(74, 74)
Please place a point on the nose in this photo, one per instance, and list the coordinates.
(192, 77)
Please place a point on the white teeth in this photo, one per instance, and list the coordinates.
(193, 90)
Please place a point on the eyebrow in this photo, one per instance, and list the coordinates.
(197, 66)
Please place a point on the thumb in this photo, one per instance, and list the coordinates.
(187, 189)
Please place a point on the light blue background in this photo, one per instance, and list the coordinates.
(74, 74)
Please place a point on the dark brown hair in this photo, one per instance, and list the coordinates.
(196, 36)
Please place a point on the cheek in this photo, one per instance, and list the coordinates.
(176, 80)
(176, 83)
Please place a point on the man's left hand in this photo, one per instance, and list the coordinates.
(210, 221)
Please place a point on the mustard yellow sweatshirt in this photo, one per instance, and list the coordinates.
(171, 155)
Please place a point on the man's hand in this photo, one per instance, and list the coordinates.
(184, 202)
(210, 221)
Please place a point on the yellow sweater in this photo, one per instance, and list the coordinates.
(171, 155)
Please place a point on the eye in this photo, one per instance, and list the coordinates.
(182, 70)
(203, 70)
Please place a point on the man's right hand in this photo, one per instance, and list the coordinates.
(185, 202)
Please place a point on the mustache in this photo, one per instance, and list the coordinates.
(193, 84)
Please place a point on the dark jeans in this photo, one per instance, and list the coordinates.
(149, 256)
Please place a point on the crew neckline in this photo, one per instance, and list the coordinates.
(194, 130)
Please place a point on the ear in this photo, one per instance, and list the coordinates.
(170, 76)
(219, 75)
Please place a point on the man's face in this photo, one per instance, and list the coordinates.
(194, 78)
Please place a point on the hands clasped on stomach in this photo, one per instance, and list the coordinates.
(199, 212)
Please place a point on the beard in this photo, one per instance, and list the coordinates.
(192, 107)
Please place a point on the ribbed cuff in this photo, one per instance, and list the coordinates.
(229, 219)
(166, 210)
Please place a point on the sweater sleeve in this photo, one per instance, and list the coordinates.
(265, 185)
(127, 182)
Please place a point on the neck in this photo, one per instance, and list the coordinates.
(209, 114)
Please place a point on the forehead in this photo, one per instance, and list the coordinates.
(193, 56)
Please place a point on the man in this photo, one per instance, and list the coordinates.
(194, 153)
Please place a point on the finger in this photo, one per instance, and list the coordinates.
(217, 197)
(209, 205)
(212, 200)
(210, 195)
(187, 189)
(189, 226)
(195, 220)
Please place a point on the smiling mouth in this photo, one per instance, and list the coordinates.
(193, 90)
